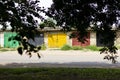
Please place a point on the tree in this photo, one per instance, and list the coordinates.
(48, 23)
(98, 15)
(20, 15)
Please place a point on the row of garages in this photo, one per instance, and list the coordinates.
(52, 39)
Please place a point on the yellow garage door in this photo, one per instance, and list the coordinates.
(56, 40)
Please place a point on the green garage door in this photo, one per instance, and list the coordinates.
(8, 42)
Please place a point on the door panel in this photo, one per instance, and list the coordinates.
(75, 41)
(8, 41)
(38, 40)
(56, 40)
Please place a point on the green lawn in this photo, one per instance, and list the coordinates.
(59, 74)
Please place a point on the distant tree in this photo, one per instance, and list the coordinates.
(20, 15)
(48, 23)
(98, 15)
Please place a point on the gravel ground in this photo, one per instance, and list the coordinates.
(57, 58)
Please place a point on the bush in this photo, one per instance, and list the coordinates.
(43, 47)
(93, 48)
(66, 47)
(77, 48)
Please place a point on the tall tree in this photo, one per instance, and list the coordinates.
(20, 15)
(99, 15)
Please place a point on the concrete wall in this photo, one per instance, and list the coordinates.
(92, 38)
(1, 39)
(69, 40)
(117, 41)
(46, 39)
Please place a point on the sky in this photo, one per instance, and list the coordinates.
(45, 3)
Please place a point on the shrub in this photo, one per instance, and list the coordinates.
(77, 48)
(43, 47)
(66, 47)
(93, 48)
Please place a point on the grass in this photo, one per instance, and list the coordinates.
(92, 48)
(59, 74)
(7, 49)
(66, 47)
(43, 47)
(77, 48)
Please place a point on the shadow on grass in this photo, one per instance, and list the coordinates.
(62, 65)
(45, 72)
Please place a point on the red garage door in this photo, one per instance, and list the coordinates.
(75, 41)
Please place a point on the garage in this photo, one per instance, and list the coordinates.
(38, 40)
(56, 39)
(75, 41)
(8, 40)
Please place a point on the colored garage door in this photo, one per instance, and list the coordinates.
(75, 41)
(101, 37)
(8, 42)
(38, 40)
(56, 40)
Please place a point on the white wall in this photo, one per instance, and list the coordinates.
(1, 39)
(69, 40)
(92, 38)
(117, 41)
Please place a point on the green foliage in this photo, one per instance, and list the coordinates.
(66, 47)
(93, 48)
(20, 50)
(42, 25)
(48, 23)
(80, 14)
(59, 74)
(29, 49)
(77, 48)
(43, 47)
(21, 14)
(111, 53)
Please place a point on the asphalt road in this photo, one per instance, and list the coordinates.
(57, 58)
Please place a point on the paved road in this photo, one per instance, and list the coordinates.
(57, 58)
